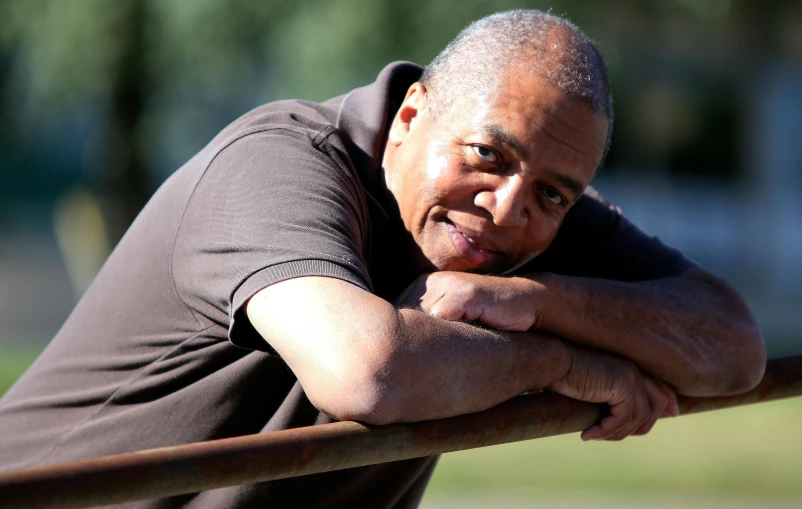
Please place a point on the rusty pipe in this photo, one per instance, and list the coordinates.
(190, 468)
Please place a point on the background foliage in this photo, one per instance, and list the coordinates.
(100, 101)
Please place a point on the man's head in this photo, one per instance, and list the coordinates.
(501, 136)
(550, 46)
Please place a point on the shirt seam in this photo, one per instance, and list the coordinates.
(319, 141)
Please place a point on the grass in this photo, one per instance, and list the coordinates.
(14, 360)
(752, 451)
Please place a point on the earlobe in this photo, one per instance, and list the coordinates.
(408, 114)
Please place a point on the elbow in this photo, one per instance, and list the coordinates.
(364, 397)
(747, 355)
(354, 382)
(359, 385)
(738, 361)
(748, 364)
(739, 370)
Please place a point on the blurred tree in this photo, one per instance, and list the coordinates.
(115, 60)
(112, 58)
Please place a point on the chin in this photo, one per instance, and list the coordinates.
(461, 265)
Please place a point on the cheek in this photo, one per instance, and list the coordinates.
(436, 166)
(442, 180)
(539, 237)
(430, 168)
(453, 182)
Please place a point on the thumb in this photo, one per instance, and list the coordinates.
(445, 309)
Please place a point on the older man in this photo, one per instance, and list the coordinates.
(296, 232)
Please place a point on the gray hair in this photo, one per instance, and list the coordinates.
(553, 47)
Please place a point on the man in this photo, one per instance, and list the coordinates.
(347, 247)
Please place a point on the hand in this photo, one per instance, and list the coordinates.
(504, 303)
(636, 400)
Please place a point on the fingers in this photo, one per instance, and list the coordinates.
(446, 309)
(433, 294)
(618, 418)
(672, 407)
(640, 412)
(500, 303)
(433, 302)
(637, 412)
(658, 400)
(626, 405)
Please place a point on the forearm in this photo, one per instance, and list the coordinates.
(692, 331)
(438, 368)
(358, 357)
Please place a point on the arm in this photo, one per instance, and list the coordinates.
(691, 330)
(358, 357)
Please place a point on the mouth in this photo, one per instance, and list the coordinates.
(473, 249)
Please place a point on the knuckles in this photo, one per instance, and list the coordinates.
(493, 301)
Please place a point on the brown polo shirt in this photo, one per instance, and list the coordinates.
(159, 352)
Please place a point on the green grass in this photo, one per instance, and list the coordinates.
(14, 360)
(752, 451)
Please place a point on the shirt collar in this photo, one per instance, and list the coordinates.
(364, 116)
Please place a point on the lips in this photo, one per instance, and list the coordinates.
(473, 249)
(475, 243)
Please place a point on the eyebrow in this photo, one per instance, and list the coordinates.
(498, 133)
(572, 184)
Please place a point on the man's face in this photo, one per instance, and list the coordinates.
(485, 185)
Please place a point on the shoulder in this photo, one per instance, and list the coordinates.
(274, 142)
(596, 240)
(291, 118)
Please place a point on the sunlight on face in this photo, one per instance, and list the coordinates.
(485, 185)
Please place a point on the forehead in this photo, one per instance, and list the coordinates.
(540, 118)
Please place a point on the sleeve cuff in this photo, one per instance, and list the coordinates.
(240, 332)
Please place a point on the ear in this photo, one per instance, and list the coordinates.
(408, 114)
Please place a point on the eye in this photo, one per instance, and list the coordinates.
(553, 196)
(487, 154)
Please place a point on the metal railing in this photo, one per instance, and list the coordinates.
(191, 468)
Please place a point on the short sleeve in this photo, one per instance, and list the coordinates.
(596, 240)
(273, 205)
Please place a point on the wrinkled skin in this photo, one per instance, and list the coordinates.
(511, 303)
(636, 400)
(502, 303)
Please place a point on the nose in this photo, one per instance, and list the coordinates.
(505, 201)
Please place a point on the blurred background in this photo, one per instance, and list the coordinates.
(100, 101)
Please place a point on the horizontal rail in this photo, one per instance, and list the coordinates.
(191, 468)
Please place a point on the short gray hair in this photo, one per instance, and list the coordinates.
(476, 58)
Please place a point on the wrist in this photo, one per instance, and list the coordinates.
(550, 361)
(567, 363)
(546, 290)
